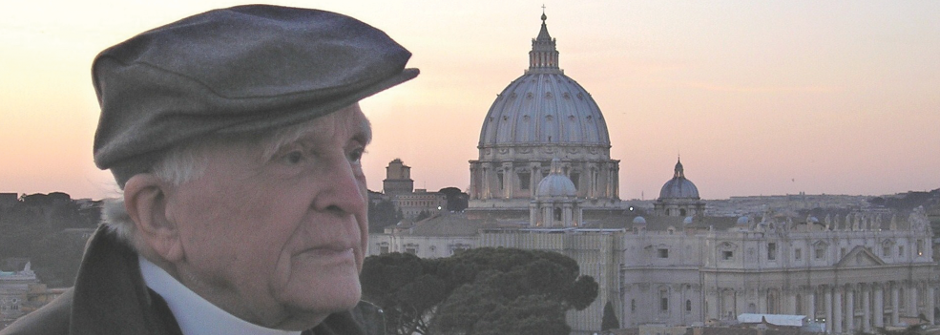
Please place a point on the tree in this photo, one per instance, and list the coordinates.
(609, 321)
(406, 289)
(456, 199)
(479, 291)
(382, 214)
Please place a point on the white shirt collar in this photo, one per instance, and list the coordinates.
(195, 315)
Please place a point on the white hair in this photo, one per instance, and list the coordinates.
(184, 163)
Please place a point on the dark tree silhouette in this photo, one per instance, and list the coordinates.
(479, 291)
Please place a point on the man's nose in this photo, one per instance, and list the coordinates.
(341, 191)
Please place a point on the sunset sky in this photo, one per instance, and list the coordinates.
(758, 97)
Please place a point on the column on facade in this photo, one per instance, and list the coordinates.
(533, 214)
(849, 310)
(612, 186)
(534, 178)
(828, 300)
(837, 310)
(810, 303)
(486, 181)
(930, 303)
(879, 310)
(912, 302)
(548, 215)
(591, 188)
(675, 304)
(566, 214)
(791, 302)
(866, 308)
(507, 180)
(472, 190)
(711, 300)
(895, 313)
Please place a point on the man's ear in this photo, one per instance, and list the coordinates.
(145, 198)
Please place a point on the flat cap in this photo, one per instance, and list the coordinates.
(241, 69)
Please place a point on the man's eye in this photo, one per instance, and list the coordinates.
(294, 157)
(356, 155)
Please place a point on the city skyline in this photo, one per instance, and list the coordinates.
(757, 98)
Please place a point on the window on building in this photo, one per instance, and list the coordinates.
(920, 247)
(524, 179)
(886, 251)
(727, 255)
(901, 251)
(842, 253)
(383, 249)
(411, 250)
(820, 252)
(798, 254)
(664, 304)
(688, 305)
(632, 305)
(771, 251)
(575, 178)
(499, 180)
(663, 253)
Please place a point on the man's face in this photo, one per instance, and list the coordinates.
(278, 241)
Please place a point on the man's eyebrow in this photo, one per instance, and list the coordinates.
(364, 134)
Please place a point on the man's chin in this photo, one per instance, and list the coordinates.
(324, 293)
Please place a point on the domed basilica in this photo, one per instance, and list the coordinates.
(541, 116)
(544, 180)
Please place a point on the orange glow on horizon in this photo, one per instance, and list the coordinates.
(767, 98)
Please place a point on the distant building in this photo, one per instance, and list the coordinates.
(21, 293)
(414, 203)
(397, 179)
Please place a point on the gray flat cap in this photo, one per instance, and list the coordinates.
(241, 69)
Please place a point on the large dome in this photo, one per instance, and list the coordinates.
(679, 187)
(544, 107)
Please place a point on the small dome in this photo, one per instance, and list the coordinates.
(679, 187)
(743, 221)
(556, 184)
(687, 220)
(639, 220)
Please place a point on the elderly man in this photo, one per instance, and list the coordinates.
(236, 136)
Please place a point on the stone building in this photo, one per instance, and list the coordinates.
(540, 116)
(414, 203)
(21, 293)
(397, 179)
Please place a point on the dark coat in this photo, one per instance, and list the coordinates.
(110, 298)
